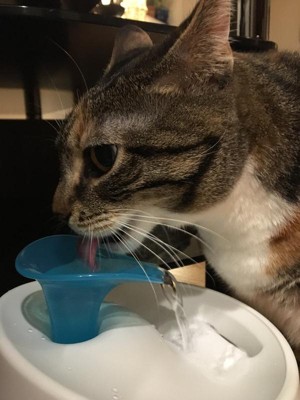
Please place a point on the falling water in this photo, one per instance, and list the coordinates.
(198, 341)
(175, 298)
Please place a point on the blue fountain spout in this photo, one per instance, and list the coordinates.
(73, 309)
(72, 291)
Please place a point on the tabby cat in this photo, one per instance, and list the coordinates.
(188, 131)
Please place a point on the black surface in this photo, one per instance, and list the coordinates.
(28, 176)
(241, 44)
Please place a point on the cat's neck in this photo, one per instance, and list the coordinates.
(249, 206)
(244, 224)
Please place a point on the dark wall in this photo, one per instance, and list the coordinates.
(28, 176)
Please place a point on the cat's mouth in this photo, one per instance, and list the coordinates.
(115, 237)
(123, 235)
(120, 241)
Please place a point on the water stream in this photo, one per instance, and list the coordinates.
(175, 299)
(197, 340)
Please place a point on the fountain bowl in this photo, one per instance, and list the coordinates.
(130, 360)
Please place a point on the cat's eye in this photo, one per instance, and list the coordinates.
(101, 158)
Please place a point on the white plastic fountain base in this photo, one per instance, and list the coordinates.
(130, 360)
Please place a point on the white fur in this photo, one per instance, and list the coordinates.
(248, 218)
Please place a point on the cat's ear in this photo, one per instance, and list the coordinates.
(129, 42)
(202, 47)
(206, 37)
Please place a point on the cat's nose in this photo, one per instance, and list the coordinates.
(61, 211)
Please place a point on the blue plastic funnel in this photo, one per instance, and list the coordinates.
(72, 291)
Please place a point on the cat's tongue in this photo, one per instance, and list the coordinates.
(87, 250)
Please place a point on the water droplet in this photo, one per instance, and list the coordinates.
(115, 397)
(69, 368)
(30, 330)
(43, 338)
(115, 390)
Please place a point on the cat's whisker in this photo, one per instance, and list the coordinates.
(104, 242)
(154, 240)
(172, 248)
(146, 247)
(141, 266)
(90, 247)
(58, 122)
(73, 60)
(109, 246)
(156, 255)
(90, 242)
(173, 227)
(78, 95)
(58, 96)
(200, 227)
(114, 239)
(52, 126)
(206, 152)
(98, 242)
(186, 256)
(168, 246)
(167, 234)
(51, 139)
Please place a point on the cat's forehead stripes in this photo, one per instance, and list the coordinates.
(149, 151)
(115, 128)
(117, 125)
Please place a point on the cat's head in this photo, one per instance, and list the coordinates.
(158, 134)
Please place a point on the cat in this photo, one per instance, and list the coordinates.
(187, 132)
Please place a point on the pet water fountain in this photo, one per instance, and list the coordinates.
(65, 342)
(73, 289)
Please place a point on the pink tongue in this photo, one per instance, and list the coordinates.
(87, 251)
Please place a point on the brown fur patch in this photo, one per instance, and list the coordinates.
(285, 246)
(80, 127)
(60, 204)
(63, 197)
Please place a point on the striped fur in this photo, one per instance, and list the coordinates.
(204, 136)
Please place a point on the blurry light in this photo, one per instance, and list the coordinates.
(135, 9)
(105, 2)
